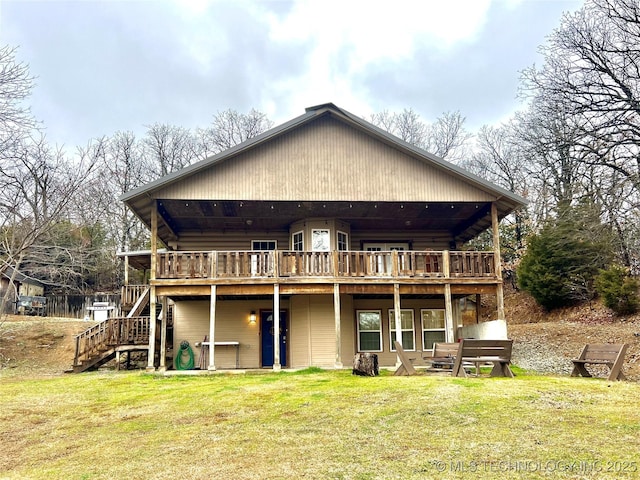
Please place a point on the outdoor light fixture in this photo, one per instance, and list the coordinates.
(252, 317)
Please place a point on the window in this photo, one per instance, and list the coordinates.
(406, 325)
(263, 244)
(382, 263)
(369, 331)
(261, 263)
(343, 241)
(297, 242)
(432, 327)
(320, 240)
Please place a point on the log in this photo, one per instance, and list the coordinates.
(365, 364)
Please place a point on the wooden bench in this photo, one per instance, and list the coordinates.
(609, 354)
(475, 351)
(406, 363)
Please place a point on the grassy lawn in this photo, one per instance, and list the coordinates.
(317, 425)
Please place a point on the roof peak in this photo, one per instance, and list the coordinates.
(321, 107)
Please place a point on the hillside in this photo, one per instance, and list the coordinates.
(544, 342)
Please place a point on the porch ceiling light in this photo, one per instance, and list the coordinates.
(252, 317)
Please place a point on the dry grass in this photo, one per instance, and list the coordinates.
(317, 424)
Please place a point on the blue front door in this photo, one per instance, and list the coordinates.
(266, 327)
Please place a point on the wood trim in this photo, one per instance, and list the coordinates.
(212, 327)
(276, 328)
(495, 223)
(336, 314)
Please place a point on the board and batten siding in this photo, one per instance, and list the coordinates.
(419, 240)
(191, 323)
(387, 357)
(323, 336)
(229, 241)
(311, 337)
(232, 241)
(312, 331)
(299, 332)
(324, 160)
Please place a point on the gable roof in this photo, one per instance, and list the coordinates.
(20, 277)
(326, 157)
(508, 201)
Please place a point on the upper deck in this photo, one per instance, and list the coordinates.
(228, 267)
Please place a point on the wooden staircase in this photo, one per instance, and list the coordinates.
(104, 341)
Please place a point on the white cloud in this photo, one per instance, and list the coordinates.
(347, 37)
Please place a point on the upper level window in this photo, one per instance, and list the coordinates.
(343, 241)
(320, 240)
(297, 241)
(263, 245)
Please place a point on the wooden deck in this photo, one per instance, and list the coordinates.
(333, 266)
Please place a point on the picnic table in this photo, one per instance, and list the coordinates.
(497, 352)
(458, 358)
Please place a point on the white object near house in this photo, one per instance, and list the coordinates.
(494, 330)
(100, 311)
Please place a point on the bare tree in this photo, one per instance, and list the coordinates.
(15, 87)
(121, 158)
(446, 137)
(500, 158)
(591, 71)
(38, 183)
(592, 66)
(230, 128)
(168, 148)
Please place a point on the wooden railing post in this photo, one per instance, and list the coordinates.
(446, 264)
(497, 261)
(75, 359)
(275, 255)
(395, 267)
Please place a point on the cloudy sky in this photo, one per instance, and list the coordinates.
(105, 66)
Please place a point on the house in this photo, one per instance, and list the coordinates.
(22, 290)
(351, 234)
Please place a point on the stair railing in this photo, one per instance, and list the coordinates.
(111, 333)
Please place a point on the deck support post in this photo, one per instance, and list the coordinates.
(163, 336)
(151, 358)
(152, 288)
(397, 319)
(126, 270)
(336, 314)
(212, 329)
(276, 328)
(497, 261)
(448, 314)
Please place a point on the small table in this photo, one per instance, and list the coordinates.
(227, 344)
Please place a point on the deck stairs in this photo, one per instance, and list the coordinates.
(104, 341)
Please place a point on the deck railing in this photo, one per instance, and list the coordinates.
(276, 264)
(109, 333)
(131, 293)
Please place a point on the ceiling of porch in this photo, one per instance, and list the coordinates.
(462, 220)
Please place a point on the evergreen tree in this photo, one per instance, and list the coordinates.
(619, 291)
(563, 259)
